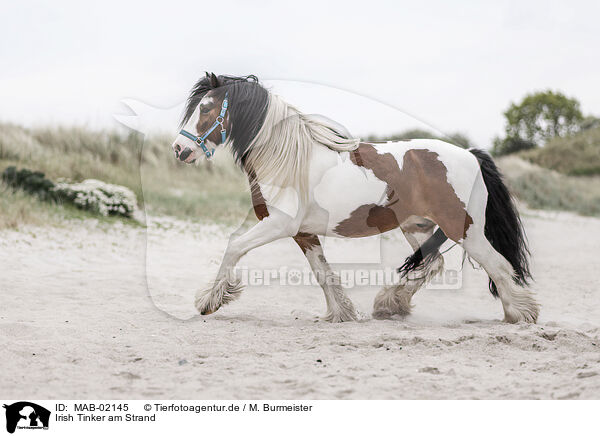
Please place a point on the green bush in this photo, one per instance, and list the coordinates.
(511, 145)
(32, 182)
(541, 116)
(91, 195)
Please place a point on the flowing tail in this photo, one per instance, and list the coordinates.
(503, 228)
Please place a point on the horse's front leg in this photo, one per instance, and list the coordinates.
(227, 287)
(339, 306)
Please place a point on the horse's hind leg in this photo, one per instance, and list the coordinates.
(396, 299)
(339, 306)
(518, 302)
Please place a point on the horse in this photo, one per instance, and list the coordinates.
(310, 178)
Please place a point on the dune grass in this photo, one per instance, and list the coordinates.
(215, 191)
(576, 155)
(542, 188)
(19, 209)
(565, 174)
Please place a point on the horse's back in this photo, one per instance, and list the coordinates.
(458, 166)
(450, 155)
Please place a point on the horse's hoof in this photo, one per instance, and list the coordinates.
(339, 317)
(382, 314)
(208, 312)
(528, 314)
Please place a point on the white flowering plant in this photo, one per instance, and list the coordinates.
(99, 197)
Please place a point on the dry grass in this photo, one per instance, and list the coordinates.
(541, 188)
(19, 210)
(577, 155)
(214, 191)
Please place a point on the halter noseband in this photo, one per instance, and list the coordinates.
(219, 121)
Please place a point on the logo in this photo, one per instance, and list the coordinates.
(26, 415)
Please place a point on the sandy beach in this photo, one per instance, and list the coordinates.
(106, 311)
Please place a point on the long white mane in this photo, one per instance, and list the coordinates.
(281, 151)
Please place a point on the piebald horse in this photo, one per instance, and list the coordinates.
(308, 178)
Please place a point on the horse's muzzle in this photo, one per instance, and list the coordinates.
(182, 155)
(185, 154)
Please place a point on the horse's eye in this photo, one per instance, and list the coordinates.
(204, 110)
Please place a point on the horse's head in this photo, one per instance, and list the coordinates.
(221, 109)
(206, 123)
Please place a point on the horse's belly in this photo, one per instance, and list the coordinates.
(343, 190)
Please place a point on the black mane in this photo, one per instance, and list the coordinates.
(248, 102)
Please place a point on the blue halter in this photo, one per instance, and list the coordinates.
(219, 121)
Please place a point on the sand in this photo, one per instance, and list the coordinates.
(80, 318)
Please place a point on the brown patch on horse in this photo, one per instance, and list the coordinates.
(258, 201)
(306, 241)
(378, 219)
(420, 188)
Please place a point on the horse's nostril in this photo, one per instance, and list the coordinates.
(177, 148)
(185, 154)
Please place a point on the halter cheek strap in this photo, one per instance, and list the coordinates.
(218, 122)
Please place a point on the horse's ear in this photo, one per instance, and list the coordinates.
(214, 81)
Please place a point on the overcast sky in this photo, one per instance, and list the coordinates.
(373, 66)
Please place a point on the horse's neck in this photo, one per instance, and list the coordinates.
(264, 193)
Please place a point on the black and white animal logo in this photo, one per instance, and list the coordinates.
(26, 415)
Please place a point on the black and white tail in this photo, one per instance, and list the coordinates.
(503, 228)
